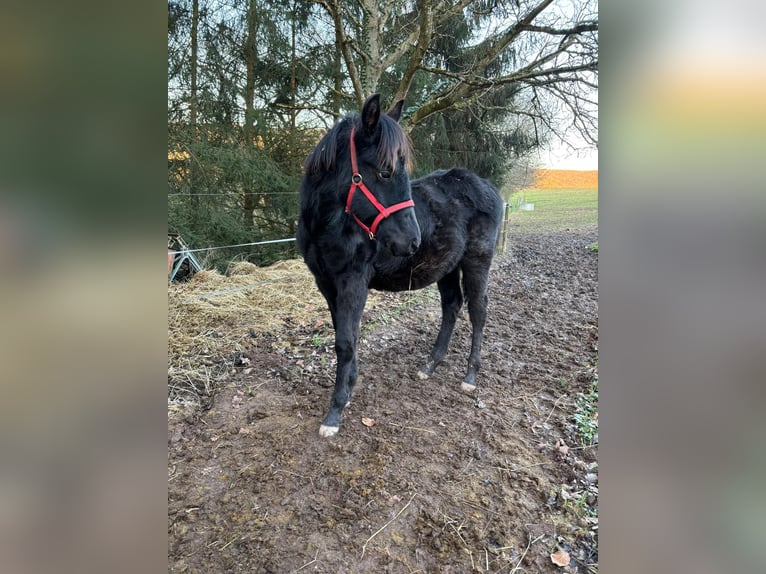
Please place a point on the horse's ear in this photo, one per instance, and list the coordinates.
(371, 112)
(396, 112)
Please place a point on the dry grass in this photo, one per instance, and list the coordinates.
(212, 317)
(565, 179)
(207, 311)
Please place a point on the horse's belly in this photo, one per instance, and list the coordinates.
(410, 278)
(397, 283)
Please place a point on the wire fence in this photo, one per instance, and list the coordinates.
(507, 208)
(200, 249)
(236, 193)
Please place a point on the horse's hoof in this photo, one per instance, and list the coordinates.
(468, 388)
(426, 370)
(326, 431)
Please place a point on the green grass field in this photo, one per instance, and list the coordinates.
(555, 210)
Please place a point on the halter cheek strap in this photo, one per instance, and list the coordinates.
(358, 183)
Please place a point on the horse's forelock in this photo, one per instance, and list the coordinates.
(394, 143)
(322, 157)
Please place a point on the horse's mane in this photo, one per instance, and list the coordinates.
(394, 143)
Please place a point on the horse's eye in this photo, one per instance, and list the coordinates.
(384, 174)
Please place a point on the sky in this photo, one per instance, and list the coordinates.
(560, 157)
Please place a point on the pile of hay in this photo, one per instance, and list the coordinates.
(211, 312)
(213, 317)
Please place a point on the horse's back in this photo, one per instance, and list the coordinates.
(459, 214)
(457, 197)
(460, 187)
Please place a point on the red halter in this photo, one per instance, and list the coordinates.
(356, 182)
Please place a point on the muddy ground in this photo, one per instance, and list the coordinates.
(442, 481)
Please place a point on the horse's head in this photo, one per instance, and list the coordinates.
(379, 196)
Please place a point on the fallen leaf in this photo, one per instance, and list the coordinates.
(560, 558)
(368, 422)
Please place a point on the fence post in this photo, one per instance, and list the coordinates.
(504, 238)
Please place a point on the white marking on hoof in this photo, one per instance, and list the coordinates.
(467, 388)
(423, 376)
(326, 431)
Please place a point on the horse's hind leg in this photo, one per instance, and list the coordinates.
(452, 300)
(475, 281)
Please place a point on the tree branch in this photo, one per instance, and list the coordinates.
(334, 9)
(489, 50)
(424, 39)
(578, 29)
(492, 47)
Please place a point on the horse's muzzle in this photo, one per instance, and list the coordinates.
(404, 248)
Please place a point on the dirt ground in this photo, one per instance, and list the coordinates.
(421, 477)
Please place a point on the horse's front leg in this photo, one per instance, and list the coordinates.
(347, 315)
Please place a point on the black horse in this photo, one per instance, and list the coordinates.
(363, 225)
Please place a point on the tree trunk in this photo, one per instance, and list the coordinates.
(248, 203)
(194, 49)
(337, 71)
(193, 167)
(293, 79)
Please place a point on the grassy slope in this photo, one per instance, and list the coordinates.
(555, 210)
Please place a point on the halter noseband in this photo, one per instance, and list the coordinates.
(357, 182)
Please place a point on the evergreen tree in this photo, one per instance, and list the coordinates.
(252, 84)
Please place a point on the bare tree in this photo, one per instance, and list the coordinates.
(548, 49)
